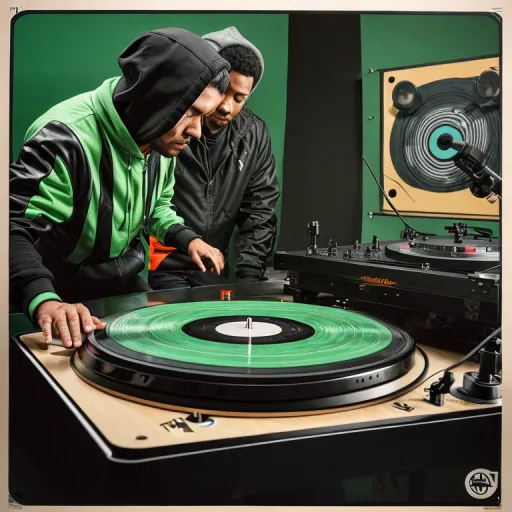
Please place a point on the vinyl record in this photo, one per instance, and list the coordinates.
(444, 107)
(443, 253)
(201, 355)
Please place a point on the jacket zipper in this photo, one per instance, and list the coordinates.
(129, 206)
(232, 146)
(144, 192)
(208, 190)
(210, 181)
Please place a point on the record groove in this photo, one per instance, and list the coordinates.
(147, 355)
(338, 335)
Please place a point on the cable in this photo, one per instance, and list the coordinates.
(390, 203)
(466, 357)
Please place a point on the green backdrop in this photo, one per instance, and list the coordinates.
(57, 56)
(60, 55)
(391, 41)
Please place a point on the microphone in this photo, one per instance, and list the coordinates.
(486, 183)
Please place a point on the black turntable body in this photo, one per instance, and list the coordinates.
(455, 276)
(414, 423)
(72, 444)
(310, 390)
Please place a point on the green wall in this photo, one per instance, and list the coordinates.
(57, 56)
(390, 41)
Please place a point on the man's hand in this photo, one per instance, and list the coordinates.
(67, 319)
(197, 249)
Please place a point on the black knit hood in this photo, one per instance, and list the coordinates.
(164, 72)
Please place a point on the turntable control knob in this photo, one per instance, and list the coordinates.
(196, 417)
(200, 418)
(357, 245)
(332, 249)
(375, 244)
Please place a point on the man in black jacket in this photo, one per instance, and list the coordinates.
(227, 178)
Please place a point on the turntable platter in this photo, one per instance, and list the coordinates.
(444, 252)
(202, 356)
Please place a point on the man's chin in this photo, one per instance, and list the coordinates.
(221, 122)
(168, 152)
(216, 124)
(172, 153)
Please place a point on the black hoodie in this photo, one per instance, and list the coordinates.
(157, 86)
(81, 186)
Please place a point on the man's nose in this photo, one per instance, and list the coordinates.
(194, 128)
(225, 107)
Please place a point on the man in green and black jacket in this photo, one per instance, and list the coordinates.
(97, 169)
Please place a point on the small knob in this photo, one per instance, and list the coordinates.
(198, 417)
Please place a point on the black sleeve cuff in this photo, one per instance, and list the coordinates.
(180, 237)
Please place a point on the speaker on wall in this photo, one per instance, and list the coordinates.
(419, 104)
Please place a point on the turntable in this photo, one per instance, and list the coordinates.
(284, 359)
(230, 397)
(456, 275)
(242, 396)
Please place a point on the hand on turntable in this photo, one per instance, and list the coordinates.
(198, 249)
(66, 319)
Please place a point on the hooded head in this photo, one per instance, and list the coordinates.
(247, 67)
(164, 72)
(230, 36)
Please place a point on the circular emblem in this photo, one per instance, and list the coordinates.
(481, 483)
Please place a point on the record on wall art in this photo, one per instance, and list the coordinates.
(420, 104)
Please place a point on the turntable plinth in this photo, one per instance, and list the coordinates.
(124, 428)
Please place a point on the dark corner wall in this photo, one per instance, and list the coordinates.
(322, 152)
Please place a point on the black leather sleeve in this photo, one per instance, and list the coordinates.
(180, 236)
(42, 195)
(257, 220)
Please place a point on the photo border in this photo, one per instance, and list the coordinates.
(8, 12)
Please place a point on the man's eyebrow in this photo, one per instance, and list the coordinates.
(196, 111)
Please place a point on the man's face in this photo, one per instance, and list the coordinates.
(238, 91)
(171, 143)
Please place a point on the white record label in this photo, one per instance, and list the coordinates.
(239, 329)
